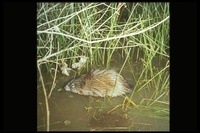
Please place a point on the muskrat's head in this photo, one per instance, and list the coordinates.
(76, 85)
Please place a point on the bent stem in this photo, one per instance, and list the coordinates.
(45, 96)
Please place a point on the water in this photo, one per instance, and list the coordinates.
(73, 112)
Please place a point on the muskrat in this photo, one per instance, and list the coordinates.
(99, 83)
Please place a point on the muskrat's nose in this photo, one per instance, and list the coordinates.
(67, 88)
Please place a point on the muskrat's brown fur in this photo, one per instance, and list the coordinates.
(99, 83)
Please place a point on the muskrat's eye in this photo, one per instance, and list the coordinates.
(73, 85)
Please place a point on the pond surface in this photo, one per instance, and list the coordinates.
(74, 112)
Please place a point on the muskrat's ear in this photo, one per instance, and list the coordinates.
(82, 84)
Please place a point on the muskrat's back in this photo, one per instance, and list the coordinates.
(99, 83)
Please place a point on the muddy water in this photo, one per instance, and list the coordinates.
(73, 112)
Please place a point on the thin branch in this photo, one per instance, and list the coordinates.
(45, 96)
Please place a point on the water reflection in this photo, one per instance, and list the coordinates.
(73, 112)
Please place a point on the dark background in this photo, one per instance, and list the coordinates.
(20, 66)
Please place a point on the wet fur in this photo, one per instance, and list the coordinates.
(99, 83)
